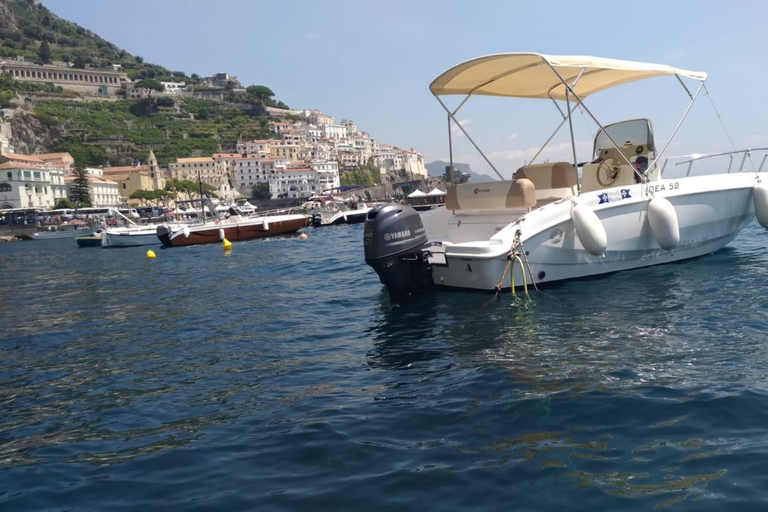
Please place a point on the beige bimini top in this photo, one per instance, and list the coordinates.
(531, 75)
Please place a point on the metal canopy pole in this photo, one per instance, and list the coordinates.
(693, 98)
(451, 116)
(450, 152)
(565, 118)
(570, 125)
(576, 96)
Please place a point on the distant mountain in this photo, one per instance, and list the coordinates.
(437, 168)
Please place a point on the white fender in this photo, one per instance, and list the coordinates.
(590, 230)
(221, 234)
(265, 224)
(663, 220)
(760, 198)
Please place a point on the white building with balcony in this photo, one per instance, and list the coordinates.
(327, 174)
(103, 192)
(24, 186)
(334, 131)
(413, 163)
(294, 183)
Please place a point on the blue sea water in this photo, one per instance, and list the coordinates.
(279, 377)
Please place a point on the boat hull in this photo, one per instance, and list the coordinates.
(710, 210)
(246, 230)
(89, 241)
(345, 217)
(71, 233)
(132, 237)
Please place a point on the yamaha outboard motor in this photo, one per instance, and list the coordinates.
(393, 240)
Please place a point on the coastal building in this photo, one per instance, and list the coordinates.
(327, 173)
(278, 127)
(24, 185)
(334, 131)
(350, 126)
(101, 81)
(156, 174)
(203, 169)
(350, 159)
(129, 178)
(173, 87)
(413, 163)
(289, 152)
(314, 133)
(220, 80)
(388, 158)
(260, 147)
(58, 165)
(103, 192)
(294, 183)
(245, 172)
(296, 136)
(317, 118)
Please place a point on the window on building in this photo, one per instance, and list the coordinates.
(5, 187)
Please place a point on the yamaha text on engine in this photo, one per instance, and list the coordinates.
(394, 240)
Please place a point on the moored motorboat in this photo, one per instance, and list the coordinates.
(134, 236)
(69, 230)
(549, 223)
(326, 211)
(234, 228)
(92, 240)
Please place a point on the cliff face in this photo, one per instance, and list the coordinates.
(7, 19)
(29, 135)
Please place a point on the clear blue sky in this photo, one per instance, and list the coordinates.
(373, 61)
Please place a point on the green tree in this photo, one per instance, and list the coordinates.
(150, 84)
(79, 61)
(143, 195)
(261, 191)
(260, 93)
(44, 53)
(63, 202)
(190, 188)
(79, 190)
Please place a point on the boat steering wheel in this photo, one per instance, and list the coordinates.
(607, 172)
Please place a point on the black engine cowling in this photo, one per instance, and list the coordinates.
(393, 240)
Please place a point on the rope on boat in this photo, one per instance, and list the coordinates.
(512, 257)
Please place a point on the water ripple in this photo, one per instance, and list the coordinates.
(280, 377)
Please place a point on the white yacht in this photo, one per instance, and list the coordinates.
(551, 222)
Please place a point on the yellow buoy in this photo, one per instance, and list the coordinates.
(226, 244)
(303, 236)
(150, 254)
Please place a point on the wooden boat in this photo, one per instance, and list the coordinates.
(235, 227)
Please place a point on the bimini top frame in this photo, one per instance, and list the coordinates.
(554, 77)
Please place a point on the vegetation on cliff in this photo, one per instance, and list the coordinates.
(109, 132)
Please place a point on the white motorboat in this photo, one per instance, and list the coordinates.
(132, 236)
(67, 230)
(549, 223)
(331, 213)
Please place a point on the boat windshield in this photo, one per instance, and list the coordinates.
(636, 132)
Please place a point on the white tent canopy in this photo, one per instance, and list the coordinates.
(436, 192)
(534, 75)
(417, 193)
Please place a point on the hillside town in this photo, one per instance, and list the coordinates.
(308, 152)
